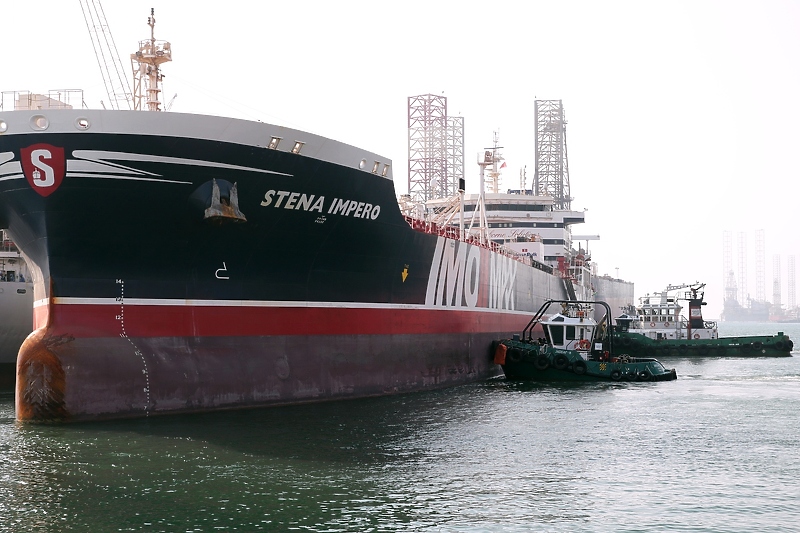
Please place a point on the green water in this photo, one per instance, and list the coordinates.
(716, 450)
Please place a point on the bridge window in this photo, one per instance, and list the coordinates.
(557, 335)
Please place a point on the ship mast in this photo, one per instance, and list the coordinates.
(146, 63)
(491, 156)
(493, 180)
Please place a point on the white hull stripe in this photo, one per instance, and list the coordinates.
(266, 303)
(93, 164)
(101, 176)
(101, 156)
(127, 178)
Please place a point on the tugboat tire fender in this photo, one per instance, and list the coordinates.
(531, 355)
(514, 355)
(757, 345)
(779, 345)
(579, 367)
(683, 348)
(645, 375)
(542, 362)
(561, 362)
(626, 341)
(616, 375)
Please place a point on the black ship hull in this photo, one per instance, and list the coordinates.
(181, 263)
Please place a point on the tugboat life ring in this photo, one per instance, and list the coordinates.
(584, 344)
(696, 335)
(652, 324)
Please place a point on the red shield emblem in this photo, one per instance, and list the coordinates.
(44, 167)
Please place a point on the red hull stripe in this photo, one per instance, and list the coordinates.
(187, 320)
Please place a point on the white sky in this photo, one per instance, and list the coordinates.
(684, 116)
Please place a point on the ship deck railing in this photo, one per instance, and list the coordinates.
(451, 232)
(8, 246)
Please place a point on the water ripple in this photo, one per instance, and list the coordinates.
(718, 450)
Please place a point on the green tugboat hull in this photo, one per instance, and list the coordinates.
(523, 361)
(656, 328)
(638, 345)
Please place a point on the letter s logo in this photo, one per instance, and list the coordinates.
(44, 167)
(36, 160)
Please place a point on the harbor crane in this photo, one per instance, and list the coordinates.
(145, 63)
(116, 83)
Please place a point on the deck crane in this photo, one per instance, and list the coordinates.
(116, 83)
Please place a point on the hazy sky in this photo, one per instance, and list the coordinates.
(684, 116)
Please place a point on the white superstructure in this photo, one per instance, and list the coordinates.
(658, 316)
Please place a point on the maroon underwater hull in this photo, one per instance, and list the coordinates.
(245, 356)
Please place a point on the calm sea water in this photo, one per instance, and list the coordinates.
(717, 450)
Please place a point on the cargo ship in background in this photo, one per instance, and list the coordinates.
(188, 263)
(16, 307)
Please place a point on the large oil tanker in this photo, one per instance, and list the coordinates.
(186, 262)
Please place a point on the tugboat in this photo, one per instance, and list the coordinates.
(575, 347)
(657, 327)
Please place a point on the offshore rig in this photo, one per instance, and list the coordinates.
(739, 305)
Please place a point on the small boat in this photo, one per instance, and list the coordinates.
(574, 347)
(656, 327)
